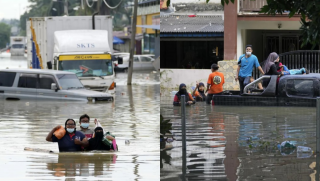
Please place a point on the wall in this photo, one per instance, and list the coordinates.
(171, 78)
(255, 38)
(195, 1)
(260, 25)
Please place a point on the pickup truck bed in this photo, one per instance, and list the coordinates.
(292, 90)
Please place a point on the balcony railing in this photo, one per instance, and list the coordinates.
(252, 5)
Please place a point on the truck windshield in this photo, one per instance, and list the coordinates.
(17, 46)
(69, 81)
(87, 68)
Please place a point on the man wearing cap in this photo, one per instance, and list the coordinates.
(245, 66)
(215, 83)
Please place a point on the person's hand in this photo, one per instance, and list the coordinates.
(77, 141)
(197, 85)
(109, 137)
(236, 78)
(57, 127)
(190, 102)
(206, 91)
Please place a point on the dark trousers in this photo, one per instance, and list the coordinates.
(241, 83)
(209, 97)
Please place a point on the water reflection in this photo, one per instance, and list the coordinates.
(72, 165)
(133, 116)
(218, 147)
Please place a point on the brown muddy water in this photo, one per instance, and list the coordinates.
(239, 143)
(134, 116)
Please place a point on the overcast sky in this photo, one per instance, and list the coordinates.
(9, 9)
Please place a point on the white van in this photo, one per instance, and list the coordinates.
(50, 85)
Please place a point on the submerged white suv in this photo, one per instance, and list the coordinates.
(39, 84)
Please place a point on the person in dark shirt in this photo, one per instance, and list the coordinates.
(183, 91)
(71, 141)
(96, 142)
(270, 68)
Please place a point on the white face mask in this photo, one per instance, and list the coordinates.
(248, 53)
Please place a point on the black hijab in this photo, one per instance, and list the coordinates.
(182, 92)
(96, 142)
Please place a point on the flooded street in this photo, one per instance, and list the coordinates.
(239, 143)
(133, 116)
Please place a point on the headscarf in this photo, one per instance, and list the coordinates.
(269, 62)
(201, 92)
(96, 142)
(183, 92)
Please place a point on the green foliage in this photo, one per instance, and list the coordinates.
(4, 34)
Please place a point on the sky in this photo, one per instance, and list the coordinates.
(9, 9)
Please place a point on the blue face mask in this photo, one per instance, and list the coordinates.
(85, 125)
(70, 130)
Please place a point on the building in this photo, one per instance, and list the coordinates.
(148, 25)
(192, 36)
(245, 25)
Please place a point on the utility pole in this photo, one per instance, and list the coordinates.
(66, 7)
(133, 40)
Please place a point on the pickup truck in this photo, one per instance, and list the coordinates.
(291, 90)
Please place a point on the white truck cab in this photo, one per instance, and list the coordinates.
(87, 54)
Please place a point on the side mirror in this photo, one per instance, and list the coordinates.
(54, 87)
(120, 60)
(49, 65)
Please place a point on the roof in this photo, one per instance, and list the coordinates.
(186, 24)
(36, 71)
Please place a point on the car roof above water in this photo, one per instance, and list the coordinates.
(36, 71)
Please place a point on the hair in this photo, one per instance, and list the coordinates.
(248, 46)
(84, 116)
(65, 124)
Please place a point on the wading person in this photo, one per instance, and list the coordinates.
(71, 141)
(84, 121)
(96, 143)
(198, 92)
(245, 66)
(183, 91)
(215, 83)
(270, 68)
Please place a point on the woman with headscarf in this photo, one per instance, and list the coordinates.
(96, 143)
(183, 91)
(198, 92)
(270, 67)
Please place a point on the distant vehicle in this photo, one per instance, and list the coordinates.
(140, 62)
(17, 45)
(49, 85)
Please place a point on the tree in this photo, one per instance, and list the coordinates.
(4, 34)
(309, 11)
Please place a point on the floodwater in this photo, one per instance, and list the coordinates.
(134, 116)
(239, 143)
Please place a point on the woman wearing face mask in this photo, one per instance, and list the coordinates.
(96, 142)
(183, 91)
(71, 141)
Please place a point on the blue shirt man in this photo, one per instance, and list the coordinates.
(245, 66)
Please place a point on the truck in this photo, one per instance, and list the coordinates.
(79, 44)
(289, 90)
(17, 45)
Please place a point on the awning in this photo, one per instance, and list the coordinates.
(117, 40)
(155, 27)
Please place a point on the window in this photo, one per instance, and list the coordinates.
(145, 59)
(136, 59)
(17, 46)
(69, 81)
(28, 81)
(7, 78)
(300, 88)
(45, 81)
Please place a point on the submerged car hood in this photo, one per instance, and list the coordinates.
(89, 93)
